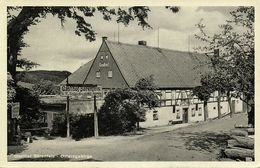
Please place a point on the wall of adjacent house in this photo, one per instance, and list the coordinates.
(164, 117)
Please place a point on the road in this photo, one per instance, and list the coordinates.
(195, 142)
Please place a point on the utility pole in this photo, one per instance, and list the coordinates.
(95, 117)
(67, 112)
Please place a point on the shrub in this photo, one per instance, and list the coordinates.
(81, 125)
(124, 108)
(59, 126)
(117, 119)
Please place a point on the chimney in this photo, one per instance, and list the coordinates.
(104, 38)
(142, 42)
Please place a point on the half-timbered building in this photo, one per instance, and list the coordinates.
(176, 73)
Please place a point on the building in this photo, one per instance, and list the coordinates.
(176, 73)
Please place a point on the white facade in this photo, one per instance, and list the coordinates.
(174, 105)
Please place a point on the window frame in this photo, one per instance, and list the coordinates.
(98, 72)
(110, 75)
(155, 115)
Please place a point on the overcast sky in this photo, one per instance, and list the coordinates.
(57, 48)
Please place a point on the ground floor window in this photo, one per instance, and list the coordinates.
(193, 112)
(178, 116)
(155, 115)
(200, 111)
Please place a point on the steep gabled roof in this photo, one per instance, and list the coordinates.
(79, 75)
(171, 69)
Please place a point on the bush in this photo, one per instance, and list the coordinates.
(81, 125)
(119, 114)
(59, 126)
(118, 119)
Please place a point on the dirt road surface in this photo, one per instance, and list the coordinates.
(195, 142)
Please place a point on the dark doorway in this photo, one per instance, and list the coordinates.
(185, 115)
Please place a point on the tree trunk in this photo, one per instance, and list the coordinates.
(241, 153)
(230, 104)
(237, 132)
(245, 142)
(251, 111)
(219, 105)
(137, 125)
(205, 110)
(251, 116)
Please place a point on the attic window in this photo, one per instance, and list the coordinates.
(106, 56)
(98, 74)
(110, 74)
(101, 57)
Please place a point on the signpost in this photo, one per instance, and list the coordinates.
(15, 110)
(90, 90)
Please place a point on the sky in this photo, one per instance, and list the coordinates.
(58, 48)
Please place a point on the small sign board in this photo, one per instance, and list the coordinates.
(15, 110)
(89, 91)
(83, 106)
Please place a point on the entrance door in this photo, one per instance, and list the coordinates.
(185, 115)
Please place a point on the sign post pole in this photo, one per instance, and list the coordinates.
(67, 112)
(68, 117)
(95, 117)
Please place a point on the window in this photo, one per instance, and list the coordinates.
(193, 112)
(163, 103)
(214, 108)
(110, 74)
(173, 109)
(101, 57)
(106, 56)
(178, 116)
(98, 74)
(200, 111)
(163, 96)
(155, 115)
(221, 107)
(168, 94)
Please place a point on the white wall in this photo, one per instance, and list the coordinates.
(165, 115)
(196, 117)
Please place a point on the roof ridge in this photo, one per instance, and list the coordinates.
(151, 47)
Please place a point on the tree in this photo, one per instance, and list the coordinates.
(45, 87)
(204, 92)
(145, 95)
(234, 66)
(29, 107)
(18, 25)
